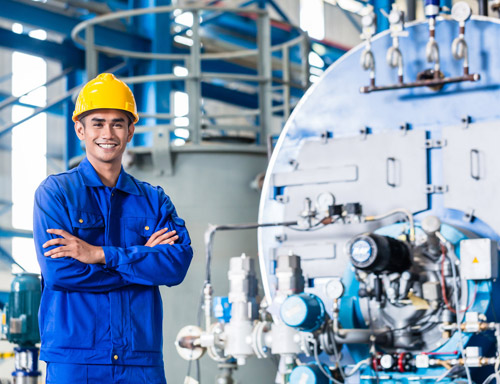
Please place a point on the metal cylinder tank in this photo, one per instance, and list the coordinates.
(208, 187)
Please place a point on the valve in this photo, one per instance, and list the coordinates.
(309, 374)
(305, 312)
(461, 12)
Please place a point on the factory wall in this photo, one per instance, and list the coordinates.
(208, 187)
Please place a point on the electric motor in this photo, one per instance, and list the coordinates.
(22, 313)
(375, 253)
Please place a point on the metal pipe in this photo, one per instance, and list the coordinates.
(91, 54)
(264, 70)
(483, 7)
(411, 10)
(422, 83)
(193, 85)
(286, 82)
(362, 336)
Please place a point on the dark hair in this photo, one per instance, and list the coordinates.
(82, 116)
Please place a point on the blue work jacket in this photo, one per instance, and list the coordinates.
(106, 313)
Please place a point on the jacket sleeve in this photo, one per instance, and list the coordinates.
(158, 265)
(66, 273)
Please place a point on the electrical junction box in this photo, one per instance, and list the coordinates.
(478, 259)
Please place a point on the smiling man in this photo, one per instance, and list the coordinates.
(105, 242)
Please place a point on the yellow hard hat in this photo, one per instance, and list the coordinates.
(105, 92)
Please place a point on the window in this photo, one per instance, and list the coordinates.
(29, 163)
(312, 18)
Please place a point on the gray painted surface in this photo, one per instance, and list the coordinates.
(208, 188)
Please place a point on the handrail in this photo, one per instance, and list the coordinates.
(147, 11)
(13, 99)
(262, 80)
(9, 127)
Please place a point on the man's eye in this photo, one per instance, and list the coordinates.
(98, 125)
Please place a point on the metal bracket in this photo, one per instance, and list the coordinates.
(435, 143)
(283, 199)
(161, 153)
(405, 127)
(364, 132)
(468, 215)
(466, 120)
(280, 238)
(294, 163)
(325, 136)
(429, 188)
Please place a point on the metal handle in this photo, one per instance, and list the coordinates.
(391, 171)
(474, 164)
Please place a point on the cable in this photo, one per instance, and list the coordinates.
(455, 294)
(320, 365)
(212, 229)
(405, 212)
(372, 348)
(357, 367)
(490, 378)
(329, 338)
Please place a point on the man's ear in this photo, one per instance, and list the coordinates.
(80, 130)
(131, 130)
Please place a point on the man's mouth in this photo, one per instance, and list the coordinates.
(106, 145)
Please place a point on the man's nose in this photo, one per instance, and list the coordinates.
(107, 131)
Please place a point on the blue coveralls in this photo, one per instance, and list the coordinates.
(106, 317)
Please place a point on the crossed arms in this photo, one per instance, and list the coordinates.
(72, 246)
(69, 263)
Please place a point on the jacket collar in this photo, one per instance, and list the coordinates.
(125, 183)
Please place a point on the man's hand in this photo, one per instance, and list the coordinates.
(72, 246)
(162, 237)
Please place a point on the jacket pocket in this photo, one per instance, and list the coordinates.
(88, 226)
(137, 230)
(69, 319)
(146, 315)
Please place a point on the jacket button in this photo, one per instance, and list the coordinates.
(115, 357)
(80, 221)
(146, 228)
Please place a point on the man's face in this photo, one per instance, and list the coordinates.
(106, 133)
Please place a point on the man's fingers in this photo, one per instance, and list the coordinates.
(59, 255)
(60, 232)
(158, 233)
(57, 241)
(55, 251)
(166, 236)
(170, 240)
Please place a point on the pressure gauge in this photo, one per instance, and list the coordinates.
(361, 250)
(396, 16)
(461, 11)
(334, 289)
(325, 200)
(368, 20)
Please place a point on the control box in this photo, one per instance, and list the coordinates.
(478, 259)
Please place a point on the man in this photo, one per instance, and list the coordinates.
(105, 242)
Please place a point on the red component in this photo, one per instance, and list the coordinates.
(376, 362)
(401, 358)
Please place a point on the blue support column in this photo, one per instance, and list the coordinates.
(73, 147)
(380, 6)
(445, 6)
(153, 97)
